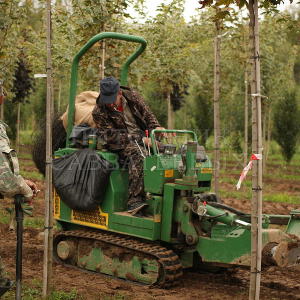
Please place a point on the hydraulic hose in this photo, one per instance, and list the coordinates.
(226, 207)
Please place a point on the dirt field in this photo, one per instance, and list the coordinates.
(276, 283)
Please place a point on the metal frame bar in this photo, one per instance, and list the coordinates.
(152, 135)
(83, 50)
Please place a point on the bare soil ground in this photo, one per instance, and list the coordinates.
(276, 283)
(277, 208)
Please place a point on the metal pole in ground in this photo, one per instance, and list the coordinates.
(256, 205)
(48, 238)
(19, 250)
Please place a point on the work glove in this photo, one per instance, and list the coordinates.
(26, 208)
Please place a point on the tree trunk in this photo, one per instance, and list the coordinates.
(48, 237)
(18, 128)
(59, 96)
(170, 112)
(269, 130)
(256, 205)
(217, 131)
(264, 129)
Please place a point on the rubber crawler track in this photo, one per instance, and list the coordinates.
(167, 259)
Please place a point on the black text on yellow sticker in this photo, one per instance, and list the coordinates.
(206, 170)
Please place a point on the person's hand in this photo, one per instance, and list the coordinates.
(1, 99)
(147, 141)
(33, 186)
(27, 208)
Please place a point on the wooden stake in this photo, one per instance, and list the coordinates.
(246, 97)
(269, 130)
(170, 112)
(217, 130)
(256, 205)
(48, 239)
(59, 96)
(246, 116)
(264, 128)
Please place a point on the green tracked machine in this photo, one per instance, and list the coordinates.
(185, 226)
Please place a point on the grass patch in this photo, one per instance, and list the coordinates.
(283, 198)
(236, 160)
(290, 177)
(279, 163)
(282, 176)
(4, 217)
(235, 194)
(230, 180)
(32, 175)
(225, 172)
(26, 137)
(234, 180)
(25, 155)
(35, 293)
(34, 222)
(25, 162)
(57, 295)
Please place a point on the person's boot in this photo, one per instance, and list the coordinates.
(135, 208)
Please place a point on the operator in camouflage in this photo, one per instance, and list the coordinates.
(122, 117)
(11, 183)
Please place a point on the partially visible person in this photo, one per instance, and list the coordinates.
(84, 105)
(11, 182)
(122, 117)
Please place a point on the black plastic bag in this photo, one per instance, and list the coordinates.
(80, 179)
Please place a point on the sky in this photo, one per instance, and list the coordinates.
(151, 5)
(191, 8)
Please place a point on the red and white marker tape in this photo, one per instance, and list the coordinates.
(247, 168)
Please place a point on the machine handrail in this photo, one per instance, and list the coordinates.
(83, 50)
(152, 135)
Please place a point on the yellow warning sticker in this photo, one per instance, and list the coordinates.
(206, 170)
(94, 218)
(56, 205)
(169, 173)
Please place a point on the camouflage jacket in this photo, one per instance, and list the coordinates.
(11, 183)
(111, 123)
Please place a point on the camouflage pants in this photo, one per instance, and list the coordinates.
(134, 161)
(2, 274)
